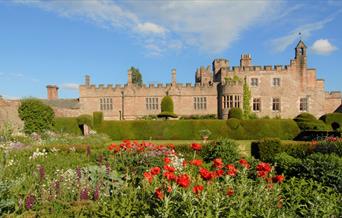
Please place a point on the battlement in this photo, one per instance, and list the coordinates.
(275, 68)
(333, 94)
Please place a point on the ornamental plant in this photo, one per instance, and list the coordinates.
(167, 108)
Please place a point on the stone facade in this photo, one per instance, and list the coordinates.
(283, 91)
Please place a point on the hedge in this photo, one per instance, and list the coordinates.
(189, 129)
(67, 125)
(333, 119)
(307, 121)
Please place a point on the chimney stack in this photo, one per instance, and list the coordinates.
(87, 80)
(130, 80)
(174, 76)
(52, 92)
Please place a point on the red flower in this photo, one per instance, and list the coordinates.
(219, 173)
(206, 174)
(278, 178)
(169, 189)
(196, 147)
(231, 170)
(170, 176)
(184, 163)
(172, 146)
(262, 173)
(218, 163)
(167, 160)
(159, 193)
(183, 180)
(196, 162)
(169, 168)
(230, 191)
(197, 189)
(148, 176)
(263, 167)
(155, 171)
(244, 163)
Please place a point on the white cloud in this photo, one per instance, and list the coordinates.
(70, 86)
(208, 25)
(323, 46)
(281, 43)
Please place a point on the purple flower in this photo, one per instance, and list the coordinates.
(96, 193)
(29, 201)
(78, 173)
(57, 187)
(84, 194)
(107, 168)
(41, 171)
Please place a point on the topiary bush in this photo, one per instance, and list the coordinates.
(85, 119)
(226, 149)
(307, 121)
(265, 149)
(97, 118)
(67, 125)
(233, 123)
(333, 119)
(235, 113)
(167, 108)
(37, 116)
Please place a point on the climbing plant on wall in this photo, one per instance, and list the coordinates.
(246, 100)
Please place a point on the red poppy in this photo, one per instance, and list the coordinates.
(206, 174)
(230, 191)
(169, 168)
(155, 171)
(219, 173)
(263, 167)
(159, 193)
(196, 162)
(183, 180)
(169, 189)
(244, 163)
(262, 173)
(167, 160)
(196, 147)
(231, 170)
(172, 146)
(218, 163)
(197, 189)
(184, 163)
(278, 178)
(170, 176)
(148, 176)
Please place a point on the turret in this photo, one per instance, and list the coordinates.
(300, 56)
(87, 80)
(246, 60)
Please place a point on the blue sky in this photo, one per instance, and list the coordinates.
(58, 42)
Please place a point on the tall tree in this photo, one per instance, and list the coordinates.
(136, 76)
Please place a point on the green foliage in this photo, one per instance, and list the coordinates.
(266, 148)
(6, 131)
(189, 129)
(7, 204)
(246, 100)
(67, 125)
(287, 164)
(97, 118)
(235, 113)
(226, 149)
(136, 76)
(85, 119)
(308, 198)
(333, 119)
(199, 117)
(37, 116)
(307, 121)
(167, 108)
(233, 123)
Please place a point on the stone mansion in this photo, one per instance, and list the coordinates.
(278, 90)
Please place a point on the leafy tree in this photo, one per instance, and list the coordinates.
(167, 108)
(37, 116)
(136, 76)
(246, 100)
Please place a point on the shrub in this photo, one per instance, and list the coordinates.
(226, 149)
(199, 117)
(67, 125)
(266, 148)
(97, 118)
(307, 121)
(37, 116)
(333, 119)
(167, 108)
(85, 119)
(235, 113)
(287, 164)
(233, 123)
(308, 198)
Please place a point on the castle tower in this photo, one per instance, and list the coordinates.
(246, 60)
(218, 64)
(87, 80)
(52, 92)
(173, 75)
(300, 56)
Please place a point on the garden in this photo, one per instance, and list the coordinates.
(48, 173)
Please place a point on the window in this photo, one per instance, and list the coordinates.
(200, 103)
(106, 104)
(256, 104)
(230, 101)
(276, 104)
(276, 82)
(152, 103)
(254, 82)
(303, 104)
